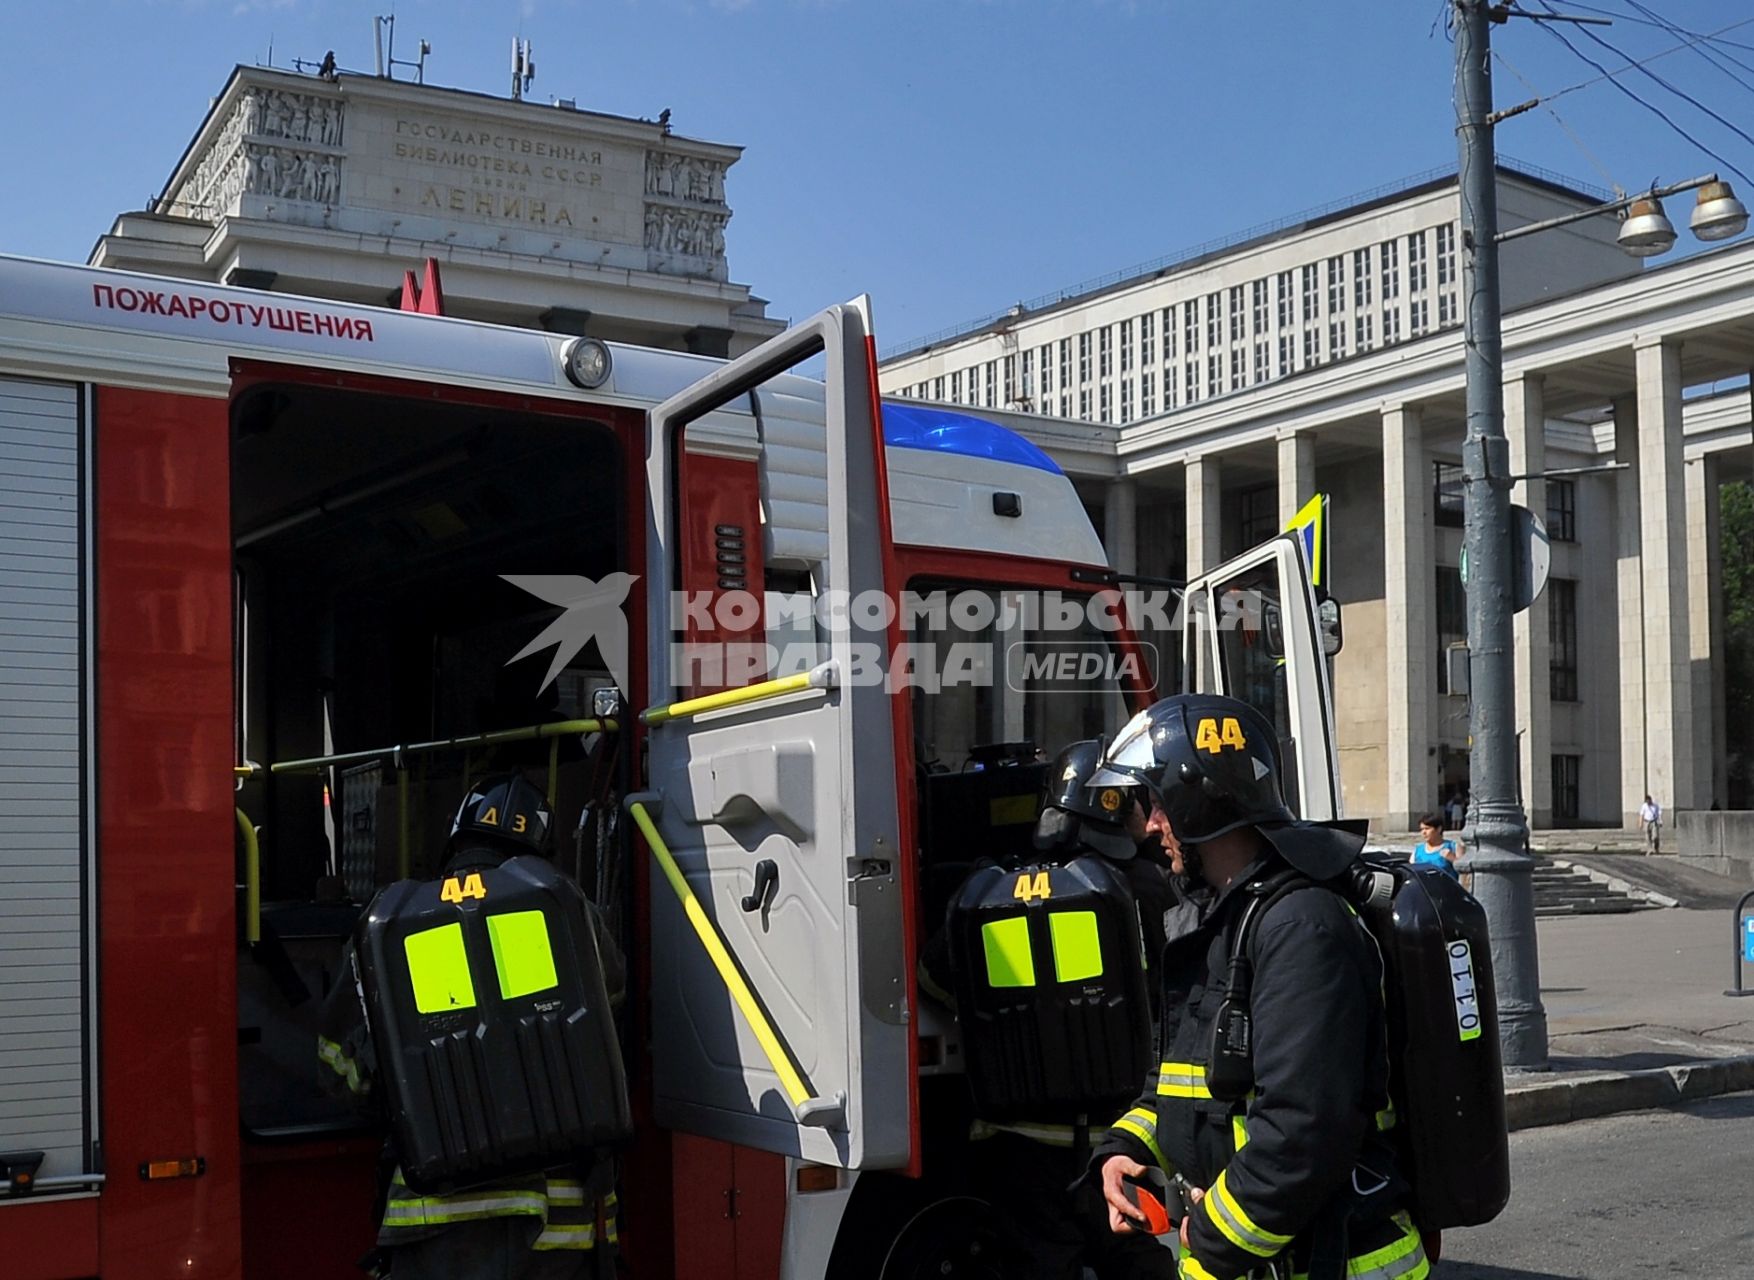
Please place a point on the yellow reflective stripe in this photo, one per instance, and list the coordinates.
(1142, 1124)
(522, 955)
(1385, 1119)
(1182, 1080)
(1239, 1132)
(1188, 1268)
(433, 1211)
(565, 1191)
(342, 1065)
(610, 1202)
(1403, 1260)
(1053, 1135)
(778, 1056)
(1010, 962)
(438, 968)
(1077, 945)
(1228, 1216)
(582, 1236)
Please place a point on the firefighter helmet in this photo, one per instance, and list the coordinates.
(506, 808)
(1074, 812)
(1213, 765)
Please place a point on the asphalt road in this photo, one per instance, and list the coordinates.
(1654, 1193)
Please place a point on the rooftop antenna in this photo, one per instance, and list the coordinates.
(387, 60)
(523, 68)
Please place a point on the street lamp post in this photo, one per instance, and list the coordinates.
(1500, 858)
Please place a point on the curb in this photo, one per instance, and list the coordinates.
(1616, 884)
(1588, 1095)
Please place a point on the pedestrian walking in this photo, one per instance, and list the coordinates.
(1650, 817)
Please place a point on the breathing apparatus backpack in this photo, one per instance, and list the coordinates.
(1446, 1081)
(1049, 975)
(485, 996)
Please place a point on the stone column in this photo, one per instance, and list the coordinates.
(1629, 610)
(1705, 631)
(1203, 484)
(1662, 522)
(1410, 625)
(1525, 422)
(1120, 525)
(1296, 474)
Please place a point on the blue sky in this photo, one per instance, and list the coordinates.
(948, 156)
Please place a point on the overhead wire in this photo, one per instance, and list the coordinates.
(1639, 62)
(1613, 78)
(1716, 38)
(1701, 47)
(1569, 132)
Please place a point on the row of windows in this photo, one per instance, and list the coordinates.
(1235, 325)
(1452, 629)
(1448, 509)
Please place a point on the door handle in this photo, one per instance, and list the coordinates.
(767, 880)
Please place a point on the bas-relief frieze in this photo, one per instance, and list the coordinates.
(238, 162)
(685, 210)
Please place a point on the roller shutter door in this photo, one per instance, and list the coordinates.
(46, 1092)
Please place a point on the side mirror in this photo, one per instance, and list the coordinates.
(1328, 622)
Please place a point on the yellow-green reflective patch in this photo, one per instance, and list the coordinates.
(1009, 962)
(1077, 945)
(521, 953)
(439, 969)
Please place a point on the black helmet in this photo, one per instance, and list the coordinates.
(505, 807)
(1213, 764)
(1073, 812)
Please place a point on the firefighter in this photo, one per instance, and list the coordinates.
(1277, 1131)
(1022, 1168)
(553, 1226)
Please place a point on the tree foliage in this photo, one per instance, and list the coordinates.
(1737, 535)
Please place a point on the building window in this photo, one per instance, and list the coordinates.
(1148, 393)
(1389, 254)
(1562, 510)
(1416, 262)
(1010, 380)
(1147, 344)
(1446, 310)
(1258, 296)
(1418, 316)
(1238, 369)
(1263, 362)
(1361, 277)
(956, 387)
(1311, 292)
(1105, 354)
(1287, 354)
(938, 388)
(1028, 374)
(1565, 790)
(1337, 340)
(992, 372)
(1446, 494)
(1562, 639)
(1236, 308)
(1191, 383)
(1391, 327)
(1362, 336)
(1065, 405)
(1287, 300)
(1214, 375)
(1103, 403)
(1126, 399)
(1065, 363)
(1084, 403)
(1258, 514)
(1126, 346)
(1446, 254)
(1312, 347)
(1190, 328)
(1452, 618)
(1336, 286)
(1084, 357)
(1214, 325)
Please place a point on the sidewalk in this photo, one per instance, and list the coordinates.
(1636, 1016)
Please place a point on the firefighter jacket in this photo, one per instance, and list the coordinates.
(575, 1209)
(1302, 1166)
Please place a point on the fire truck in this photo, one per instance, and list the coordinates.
(273, 574)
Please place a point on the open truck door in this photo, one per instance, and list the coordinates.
(1254, 632)
(774, 815)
